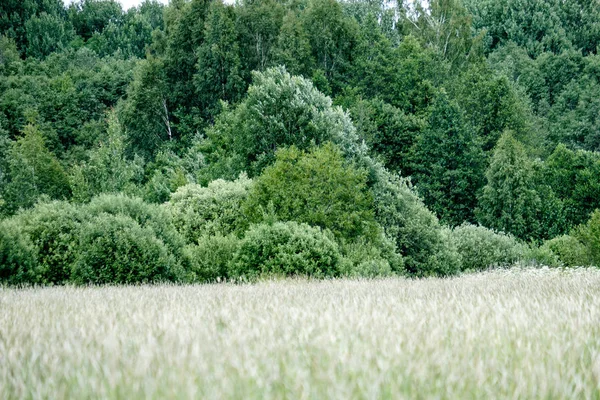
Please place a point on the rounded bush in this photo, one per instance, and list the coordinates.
(209, 259)
(287, 249)
(150, 216)
(116, 249)
(18, 256)
(481, 248)
(569, 250)
(53, 229)
(214, 210)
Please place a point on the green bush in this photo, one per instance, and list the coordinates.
(365, 259)
(209, 259)
(214, 210)
(18, 257)
(53, 229)
(569, 250)
(481, 248)
(151, 216)
(589, 235)
(317, 188)
(414, 229)
(286, 248)
(116, 249)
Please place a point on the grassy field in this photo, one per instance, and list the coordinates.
(504, 334)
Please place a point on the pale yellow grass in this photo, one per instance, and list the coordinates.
(506, 334)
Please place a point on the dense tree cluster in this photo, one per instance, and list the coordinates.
(204, 140)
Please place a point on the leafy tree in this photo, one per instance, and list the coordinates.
(449, 164)
(316, 188)
(259, 23)
(388, 131)
(107, 170)
(218, 75)
(415, 230)
(9, 56)
(93, 16)
(293, 47)
(146, 113)
(280, 110)
(46, 34)
(34, 171)
(509, 201)
(332, 37)
(444, 26)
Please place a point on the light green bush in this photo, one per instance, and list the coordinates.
(363, 258)
(317, 188)
(569, 250)
(214, 210)
(481, 248)
(288, 249)
(151, 216)
(117, 249)
(210, 257)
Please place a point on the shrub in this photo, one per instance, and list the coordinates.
(214, 210)
(286, 248)
(481, 248)
(209, 259)
(53, 229)
(17, 255)
(569, 250)
(414, 229)
(151, 216)
(589, 235)
(365, 259)
(317, 188)
(117, 249)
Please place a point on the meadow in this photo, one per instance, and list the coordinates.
(531, 333)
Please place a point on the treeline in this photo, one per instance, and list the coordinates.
(203, 140)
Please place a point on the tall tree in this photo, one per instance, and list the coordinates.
(448, 164)
(218, 75)
(34, 171)
(509, 200)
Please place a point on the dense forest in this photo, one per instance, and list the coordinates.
(202, 141)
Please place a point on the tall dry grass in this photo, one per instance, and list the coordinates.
(504, 334)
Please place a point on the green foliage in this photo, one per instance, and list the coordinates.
(116, 249)
(9, 56)
(317, 188)
(47, 33)
(363, 258)
(53, 229)
(145, 114)
(481, 248)
(213, 210)
(210, 257)
(285, 248)
(34, 171)
(414, 229)
(18, 257)
(107, 170)
(509, 200)
(280, 110)
(589, 235)
(569, 250)
(218, 75)
(448, 164)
